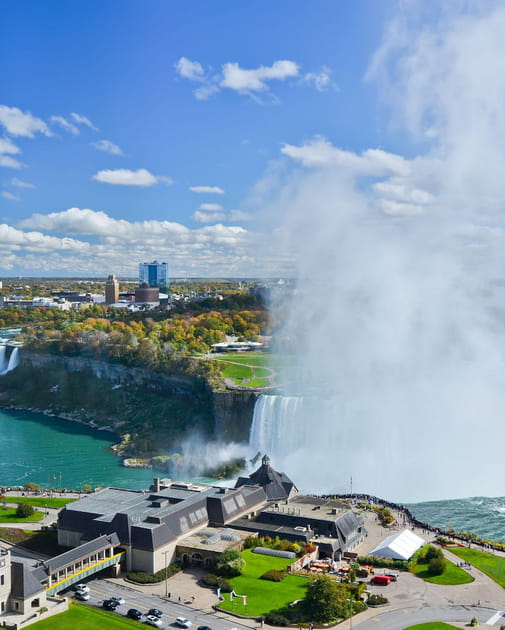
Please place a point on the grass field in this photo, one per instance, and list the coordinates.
(258, 382)
(248, 358)
(451, 576)
(262, 595)
(8, 515)
(240, 373)
(432, 625)
(493, 566)
(52, 502)
(85, 618)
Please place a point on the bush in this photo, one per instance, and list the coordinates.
(24, 510)
(375, 600)
(209, 579)
(432, 553)
(436, 566)
(274, 575)
(143, 577)
(276, 619)
(474, 621)
(250, 542)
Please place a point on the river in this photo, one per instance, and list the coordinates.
(58, 453)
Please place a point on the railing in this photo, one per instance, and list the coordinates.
(83, 573)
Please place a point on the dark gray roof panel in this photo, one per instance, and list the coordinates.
(69, 557)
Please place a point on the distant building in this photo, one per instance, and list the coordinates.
(147, 295)
(111, 290)
(154, 274)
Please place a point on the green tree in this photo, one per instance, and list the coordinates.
(24, 510)
(325, 600)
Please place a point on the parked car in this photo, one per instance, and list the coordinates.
(204, 628)
(182, 622)
(110, 604)
(81, 587)
(118, 599)
(133, 613)
(393, 576)
(152, 620)
(82, 595)
(383, 580)
(155, 612)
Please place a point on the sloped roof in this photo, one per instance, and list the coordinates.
(277, 486)
(399, 546)
(24, 583)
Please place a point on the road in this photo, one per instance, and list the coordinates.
(403, 618)
(101, 589)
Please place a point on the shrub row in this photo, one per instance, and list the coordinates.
(274, 575)
(386, 563)
(143, 577)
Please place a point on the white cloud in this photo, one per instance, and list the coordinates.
(63, 122)
(36, 241)
(7, 146)
(107, 146)
(82, 120)
(21, 184)
(208, 217)
(321, 80)
(319, 152)
(125, 177)
(8, 195)
(213, 190)
(239, 215)
(204, 92)
(210, 207)
(192, 70)
(246, 81)
(19, 123)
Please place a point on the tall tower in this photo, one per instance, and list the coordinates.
(111, 290)
(154, 274)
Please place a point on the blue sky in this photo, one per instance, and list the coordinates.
(112, 110)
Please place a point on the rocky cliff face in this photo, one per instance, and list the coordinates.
(155, 409)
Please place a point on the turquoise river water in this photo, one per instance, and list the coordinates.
(61, 454)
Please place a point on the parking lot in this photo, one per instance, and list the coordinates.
(103, 589)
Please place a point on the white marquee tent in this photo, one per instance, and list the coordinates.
(399, 546)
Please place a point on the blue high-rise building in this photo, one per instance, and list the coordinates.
(154, 274)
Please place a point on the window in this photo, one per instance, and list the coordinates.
(2, 580)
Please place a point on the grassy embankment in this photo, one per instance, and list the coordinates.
(433, 625)
(263, 595)
(8, 515)
(492, 566)
(51, 502)
(85, 618)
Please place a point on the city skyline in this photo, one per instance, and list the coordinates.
(134, 131)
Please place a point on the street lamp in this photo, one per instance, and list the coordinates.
(166, 572)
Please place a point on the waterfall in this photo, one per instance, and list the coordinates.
(13, 361)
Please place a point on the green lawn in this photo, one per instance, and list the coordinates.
(493, 566)
(85, 618)
(262, 595)
(451, 576)
(258, 382)
(8, 515)
(432, 625)
(260, 360)
(52, 502)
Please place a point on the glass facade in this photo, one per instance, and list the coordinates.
(154, 274)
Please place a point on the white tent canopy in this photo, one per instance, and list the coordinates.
(399, 546)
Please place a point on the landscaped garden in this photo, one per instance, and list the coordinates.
(263, 595)
(431, 565)
(51, 502)
(10, 515)
(85, 618)
(493, 566)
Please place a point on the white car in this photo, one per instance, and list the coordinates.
(183, 622)
(151, 620)
(82, 595)
(81, 587)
